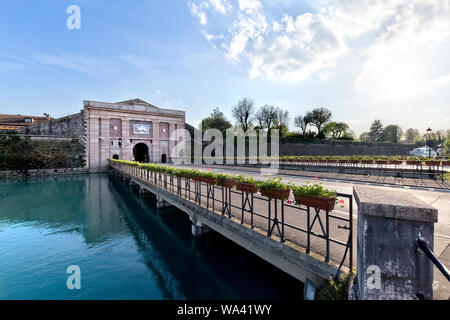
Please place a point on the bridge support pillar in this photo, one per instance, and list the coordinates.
(161, 204)
(390, 264)
(198, 228)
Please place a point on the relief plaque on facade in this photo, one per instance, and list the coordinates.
(141, 128)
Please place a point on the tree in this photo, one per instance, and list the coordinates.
(376, 130)
(336, 130)
(303, 122)
(411, 135)
(282, 122)
(447, 147)
(320, 117)
(243, 113)
(216, 120)
(392, 133)
(267, 116)
(365, 137)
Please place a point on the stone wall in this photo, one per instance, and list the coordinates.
(70, 126)
(345, 148)
(24, 153)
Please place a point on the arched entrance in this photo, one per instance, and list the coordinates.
(116, 157)
(140, 153)
(164, 158)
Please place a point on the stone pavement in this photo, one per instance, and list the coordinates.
(370, 179)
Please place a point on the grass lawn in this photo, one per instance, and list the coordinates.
(447, 176)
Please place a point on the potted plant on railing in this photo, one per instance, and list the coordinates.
(246, 184)
(273, 188)
(315, 196)
(206, 177)
(185, 173)
(225, 180)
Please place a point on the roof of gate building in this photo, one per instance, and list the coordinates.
(137, 105)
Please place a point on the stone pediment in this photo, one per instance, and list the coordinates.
(139, 105)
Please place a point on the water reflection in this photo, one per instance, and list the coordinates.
(125, 248)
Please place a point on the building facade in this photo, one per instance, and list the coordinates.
(130, 130)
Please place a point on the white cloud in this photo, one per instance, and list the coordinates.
(384, 38)
(211, 37)
(158, 92)
(221, 6)
(198, 11)
(399, 59)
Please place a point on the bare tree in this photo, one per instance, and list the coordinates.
(303, 122)
(243, 113)
(267, 116)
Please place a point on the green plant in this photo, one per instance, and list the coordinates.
(245, 179)
(309, 190)
(335, 289)
(272, 183)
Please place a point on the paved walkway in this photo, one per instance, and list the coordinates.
(370, 179)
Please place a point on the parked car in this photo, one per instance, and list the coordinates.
(424, 151)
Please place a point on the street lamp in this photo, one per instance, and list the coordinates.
(429, 142)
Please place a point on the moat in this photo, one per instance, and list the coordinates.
(124, 247)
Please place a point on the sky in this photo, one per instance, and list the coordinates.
(361, 59)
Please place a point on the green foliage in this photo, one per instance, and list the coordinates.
(23, 154)
(392, 133)
(245, 179)
(309, 190)
(376, 130)
(272, 183)
(216, 120)
(334, 290)
(447, 147)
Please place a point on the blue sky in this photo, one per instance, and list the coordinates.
(362, 59)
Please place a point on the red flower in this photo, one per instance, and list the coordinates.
(289, 202)
(341, 201)
(315, 178)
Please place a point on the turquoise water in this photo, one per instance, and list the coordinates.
(124, 247)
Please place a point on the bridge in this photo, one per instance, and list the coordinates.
(306, 243)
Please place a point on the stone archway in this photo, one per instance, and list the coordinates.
(116, 157)
(140, 153)
(164, 158)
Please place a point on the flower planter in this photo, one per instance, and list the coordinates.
(367, 161)
(413, 163)
(281, 194)
(353, 161)
(332, 161)
(228, 183)
(432, 163)
(318, 202)
(246, 187)
(323, 161)
(208, 180)
(196, 178)
(343, 161)
(446, 163)
(381, 161)
(396, 162)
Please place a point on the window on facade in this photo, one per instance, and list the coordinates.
(28, 120)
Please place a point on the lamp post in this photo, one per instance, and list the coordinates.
(429, 142)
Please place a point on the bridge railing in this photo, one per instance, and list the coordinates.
(325, 233)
